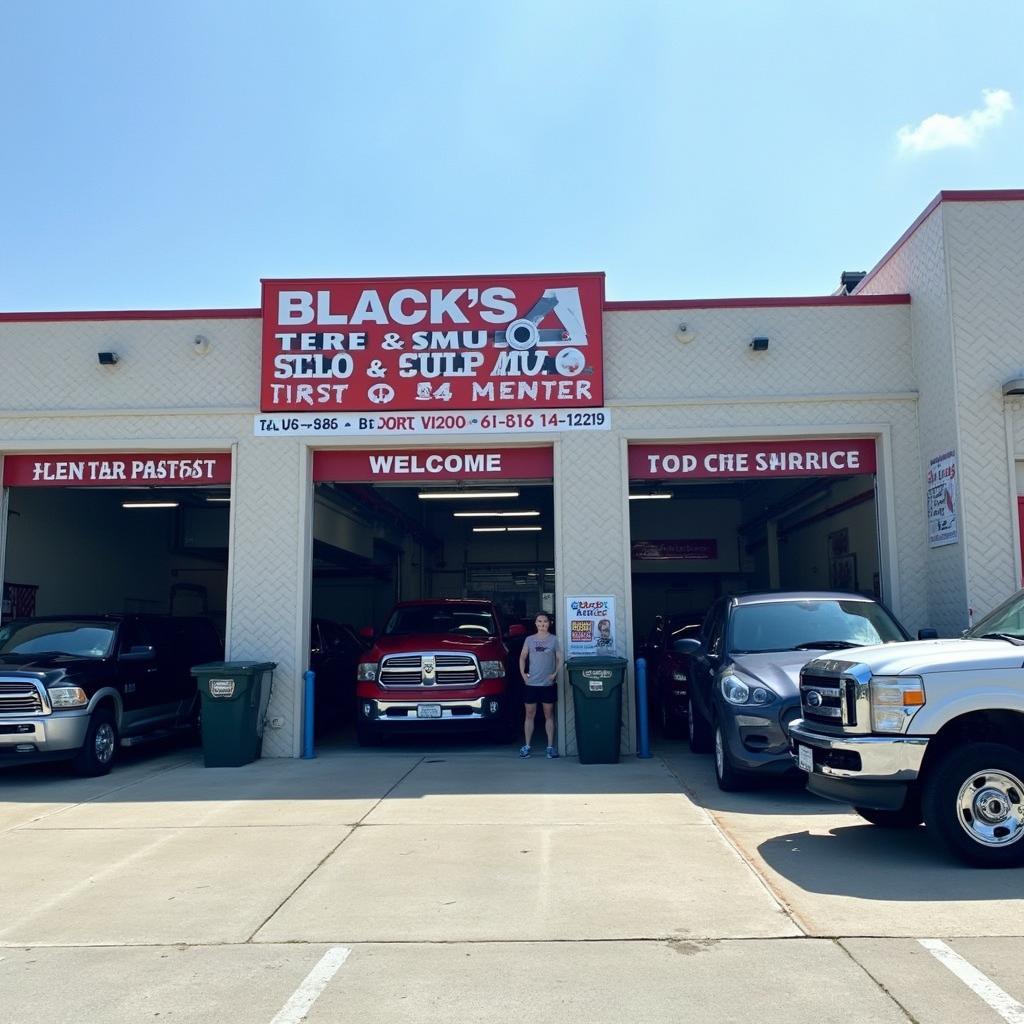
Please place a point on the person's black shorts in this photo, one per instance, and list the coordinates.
(540, 694)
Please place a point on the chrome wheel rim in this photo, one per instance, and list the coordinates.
(990, 808)
(103, 744)
(719, 753)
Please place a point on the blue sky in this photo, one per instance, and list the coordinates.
(168, 156)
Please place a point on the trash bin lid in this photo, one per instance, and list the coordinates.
(596, 661)
(233, 667)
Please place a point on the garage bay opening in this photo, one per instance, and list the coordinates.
(712, 519)
(429, 566)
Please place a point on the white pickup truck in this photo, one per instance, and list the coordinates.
(931, 731)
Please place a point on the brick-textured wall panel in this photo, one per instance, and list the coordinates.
(812, 350)
(158, 369)
(919, 267)
(985, 243)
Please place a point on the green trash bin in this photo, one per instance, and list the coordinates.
(597, 701)
(234, 696)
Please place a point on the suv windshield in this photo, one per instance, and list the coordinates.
(460, 619)
(1007, 619)
(818, 623)
(80, 639)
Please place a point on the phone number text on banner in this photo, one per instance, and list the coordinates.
(398, 424)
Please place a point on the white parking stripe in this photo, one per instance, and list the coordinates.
(315, 982)
(1005, 1005)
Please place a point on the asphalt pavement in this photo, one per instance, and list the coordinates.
(450, 882)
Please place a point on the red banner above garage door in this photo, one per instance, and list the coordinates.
(149, 469)
(747, 459)
(417, 465)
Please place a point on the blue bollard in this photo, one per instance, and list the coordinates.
(308, 713)
(643, 727)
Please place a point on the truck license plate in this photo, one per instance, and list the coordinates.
(805, 758)
(428, 710)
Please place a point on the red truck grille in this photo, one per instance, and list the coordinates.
(398, 671)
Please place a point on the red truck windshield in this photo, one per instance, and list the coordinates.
(462, 620)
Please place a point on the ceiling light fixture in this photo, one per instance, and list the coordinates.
(491, 515)
(525, 529)
(651, 496)
(149, 504)
(439, 495)
(489, 529)
(208, 498)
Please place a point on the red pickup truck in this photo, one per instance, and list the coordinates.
(441, 661)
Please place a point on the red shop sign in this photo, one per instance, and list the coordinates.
(423, 344)
(738, 459)
(418, 465)
(152, 469)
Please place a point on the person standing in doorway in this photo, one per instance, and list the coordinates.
(544, 653)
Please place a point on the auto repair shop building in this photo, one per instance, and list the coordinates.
(660, 453)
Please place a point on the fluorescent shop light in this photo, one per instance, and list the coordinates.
(149, 504)
(488, 529)
(525, 529)
(653, 495)
(491, 515)
(452, 495)
(208, 498)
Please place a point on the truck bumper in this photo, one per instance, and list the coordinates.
(42, 737)
(866, 771)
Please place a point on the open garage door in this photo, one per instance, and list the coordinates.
(460, 533)
(716, 518)
(114, 533)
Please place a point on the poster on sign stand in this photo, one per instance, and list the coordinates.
(590, 625)
(941, 496)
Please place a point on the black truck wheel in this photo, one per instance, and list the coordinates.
(974, 804)
(100, 748)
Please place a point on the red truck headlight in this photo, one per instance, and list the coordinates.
(492, 669)
(367, 672)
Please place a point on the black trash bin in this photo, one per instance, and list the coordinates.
(234, 696)
(597, 701)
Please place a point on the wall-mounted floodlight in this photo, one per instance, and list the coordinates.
(759, 344)
(107, 358)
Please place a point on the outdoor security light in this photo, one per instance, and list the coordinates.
(759, 344)
(107, 358)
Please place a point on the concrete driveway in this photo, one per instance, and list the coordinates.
(457, 883)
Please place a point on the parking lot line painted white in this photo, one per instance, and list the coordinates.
(1005, 1005)
(315, 982)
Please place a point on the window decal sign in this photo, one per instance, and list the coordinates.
(704, 548)
(744, 459)
(590, 625)
(152, 469)
(472, 343)
(418, 465)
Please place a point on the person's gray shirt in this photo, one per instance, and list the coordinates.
(541, 652)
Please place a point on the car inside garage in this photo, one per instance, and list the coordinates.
(425, 526)
(708, 520)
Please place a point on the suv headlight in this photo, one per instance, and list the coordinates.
(68, 697)
(737, 690)
(492, 669)
(894, 701)
(367, 672)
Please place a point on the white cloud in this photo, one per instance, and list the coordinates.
(941, 131)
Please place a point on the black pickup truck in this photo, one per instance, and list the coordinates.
(77, 687)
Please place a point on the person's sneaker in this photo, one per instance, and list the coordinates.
(524, 751)
(552, 752)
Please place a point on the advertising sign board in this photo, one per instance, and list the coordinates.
(589, 625)
(941, 497)
(469, 343)
(152, 469)
(419, 465)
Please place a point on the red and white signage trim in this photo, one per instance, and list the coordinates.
(418, 465)
(151, 469)
(432, 343)
(746, 459)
